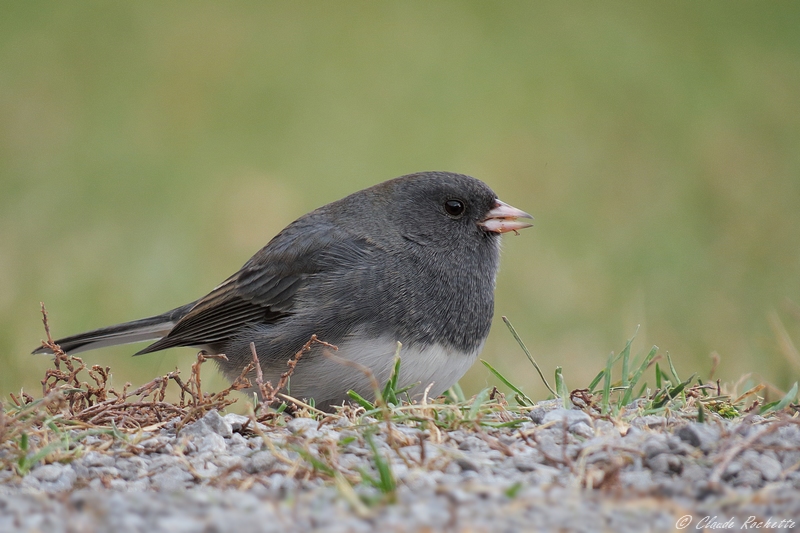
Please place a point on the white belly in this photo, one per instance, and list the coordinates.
(329, 380)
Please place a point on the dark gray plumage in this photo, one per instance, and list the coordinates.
(412, 259)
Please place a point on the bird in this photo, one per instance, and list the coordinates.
(412, 260)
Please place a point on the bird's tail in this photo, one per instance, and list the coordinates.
(145, 329)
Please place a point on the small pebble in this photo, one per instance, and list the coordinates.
(48, 473)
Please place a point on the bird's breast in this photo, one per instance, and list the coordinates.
(434, 365)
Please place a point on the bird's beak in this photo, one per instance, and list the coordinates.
(503, 217)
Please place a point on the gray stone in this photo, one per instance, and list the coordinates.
(679, 447)
(655, 445)
(748, 478)
(582, 430)
(238, 440)
(466, 464)
(260, 461)
(131, 467)
(230, 461)
(732, 470)
(93, 458)
(541, 409)
(604, 427)
(769, 467)
(537, 415)
(219, 425)
(212, 442)
(473, 443)
(164, 461)
(30, 482)
(694, 472)
(237, 422)
(156, 445)
(649, 421)
(104, 472)
(790, 458)
(204, 469)
(172, 479)
(63, 483)
(571, 417)
(633, 432)
(666, 463)
(701, 436)
(211, 422)
(303, 426)
(48, 473)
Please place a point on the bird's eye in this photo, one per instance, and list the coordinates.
(454, 207)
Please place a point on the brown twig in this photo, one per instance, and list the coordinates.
(269, 393)
(97, 403)
(46, 324)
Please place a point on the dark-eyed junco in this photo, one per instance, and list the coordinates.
(412, 259)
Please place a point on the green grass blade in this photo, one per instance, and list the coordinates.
(596, 380)
(507, 383)
(387, 483)
(627, 397)
(606, 400)
(528, 354)
(521, 401)
(626, 355)
(641, 391)
(783, 403)
(672, 369)
(407, 388)
(658, 377)
(512, 491)
(360, 400)
(456, 394)
(672, 393)
(366, 477)
(390, 389)
(479, 400)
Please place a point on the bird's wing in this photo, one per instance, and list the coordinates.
(264, 290)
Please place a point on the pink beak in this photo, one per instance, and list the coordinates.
(503, 218)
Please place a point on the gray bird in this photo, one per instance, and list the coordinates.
(412, 259)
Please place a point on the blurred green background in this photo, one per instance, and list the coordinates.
(147, 149)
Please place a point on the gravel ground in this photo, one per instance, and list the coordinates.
(561, 470)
